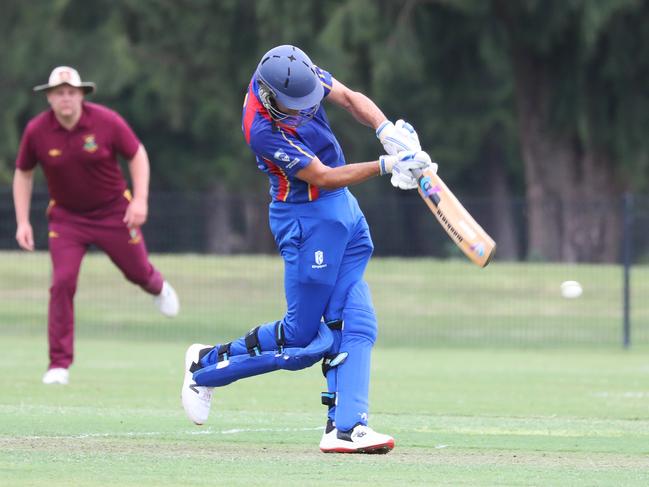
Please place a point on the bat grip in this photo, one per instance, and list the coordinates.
(418, 174)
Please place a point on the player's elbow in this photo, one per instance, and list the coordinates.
(321, 176)
(352, 100)
(324, 180)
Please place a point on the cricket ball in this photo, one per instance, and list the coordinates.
(571, 289)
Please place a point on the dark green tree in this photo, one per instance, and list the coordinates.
(541, 99)
(580, 69)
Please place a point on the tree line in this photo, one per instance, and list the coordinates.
(546, 100)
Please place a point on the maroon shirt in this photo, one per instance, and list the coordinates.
(80, 165)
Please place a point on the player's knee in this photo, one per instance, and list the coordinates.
(64, 282)
(139, 276)
(361, 323)
(369, 248)
(300, 335)
(358, 315)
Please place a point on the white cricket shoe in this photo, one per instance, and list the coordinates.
(196, 399)
(361, 439)
(329, 433)
(167, 301)
(56, 375)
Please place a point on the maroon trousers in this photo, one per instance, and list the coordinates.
(70, 235)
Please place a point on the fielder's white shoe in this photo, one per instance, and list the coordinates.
(361, 439)
(56, 375)
(167, 301)
(196, 399)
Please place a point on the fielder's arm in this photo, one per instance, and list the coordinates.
(22, 192)
(137, 211)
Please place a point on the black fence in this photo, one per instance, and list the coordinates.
(227, 223)
(219, 253)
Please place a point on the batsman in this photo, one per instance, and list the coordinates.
(325, 243)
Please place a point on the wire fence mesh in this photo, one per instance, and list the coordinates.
(421, 300)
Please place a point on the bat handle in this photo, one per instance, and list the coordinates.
(418, 174)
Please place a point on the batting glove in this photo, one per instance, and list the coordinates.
(406, 167)
(398, 137)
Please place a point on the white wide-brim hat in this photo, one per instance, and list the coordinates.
(65, 75)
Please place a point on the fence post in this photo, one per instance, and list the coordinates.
(627, 257)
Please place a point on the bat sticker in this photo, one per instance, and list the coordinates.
(430, 190)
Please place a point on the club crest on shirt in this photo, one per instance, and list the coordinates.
(280, 155)
(89, 143)
(318, 257)
(54, 152)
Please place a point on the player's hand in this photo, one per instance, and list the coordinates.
(398, 137)
(25, 236)
(136, 213)
(406, 168)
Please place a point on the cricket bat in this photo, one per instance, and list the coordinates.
(476, 244)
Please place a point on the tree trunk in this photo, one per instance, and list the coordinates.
(573, 215)
(257, 236)
(502, 219)
(218, 229)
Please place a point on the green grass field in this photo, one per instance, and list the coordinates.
(484, 377)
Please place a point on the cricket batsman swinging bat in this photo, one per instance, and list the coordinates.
(476, 244)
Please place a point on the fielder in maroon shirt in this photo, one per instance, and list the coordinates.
(77, 144)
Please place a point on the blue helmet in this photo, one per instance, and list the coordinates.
(287, 75)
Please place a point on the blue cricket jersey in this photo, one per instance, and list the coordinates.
(282, 151)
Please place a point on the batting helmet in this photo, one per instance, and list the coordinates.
(287, 75)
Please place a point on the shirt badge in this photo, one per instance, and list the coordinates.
(89, 143)
(54, 152)
(280, 155)
(318, 257)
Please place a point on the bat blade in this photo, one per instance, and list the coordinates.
(460, 226)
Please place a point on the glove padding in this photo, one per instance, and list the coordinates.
(403, 167)
(398, 137)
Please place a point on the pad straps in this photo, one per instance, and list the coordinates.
(197, 365)
(223, 352)
(331, 361)
(335, 324)
(280, 338)
(328, 398)
(252, 342)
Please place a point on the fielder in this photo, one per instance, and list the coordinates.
(77, 144)
(324, 240)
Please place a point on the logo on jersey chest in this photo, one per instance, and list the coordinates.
(318, 256)
(89, 143)
(54, 152)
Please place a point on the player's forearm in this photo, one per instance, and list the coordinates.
(139, 169)
(348, 175)
(364, 110)
(22, 192)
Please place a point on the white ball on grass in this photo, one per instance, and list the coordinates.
(571, 289)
